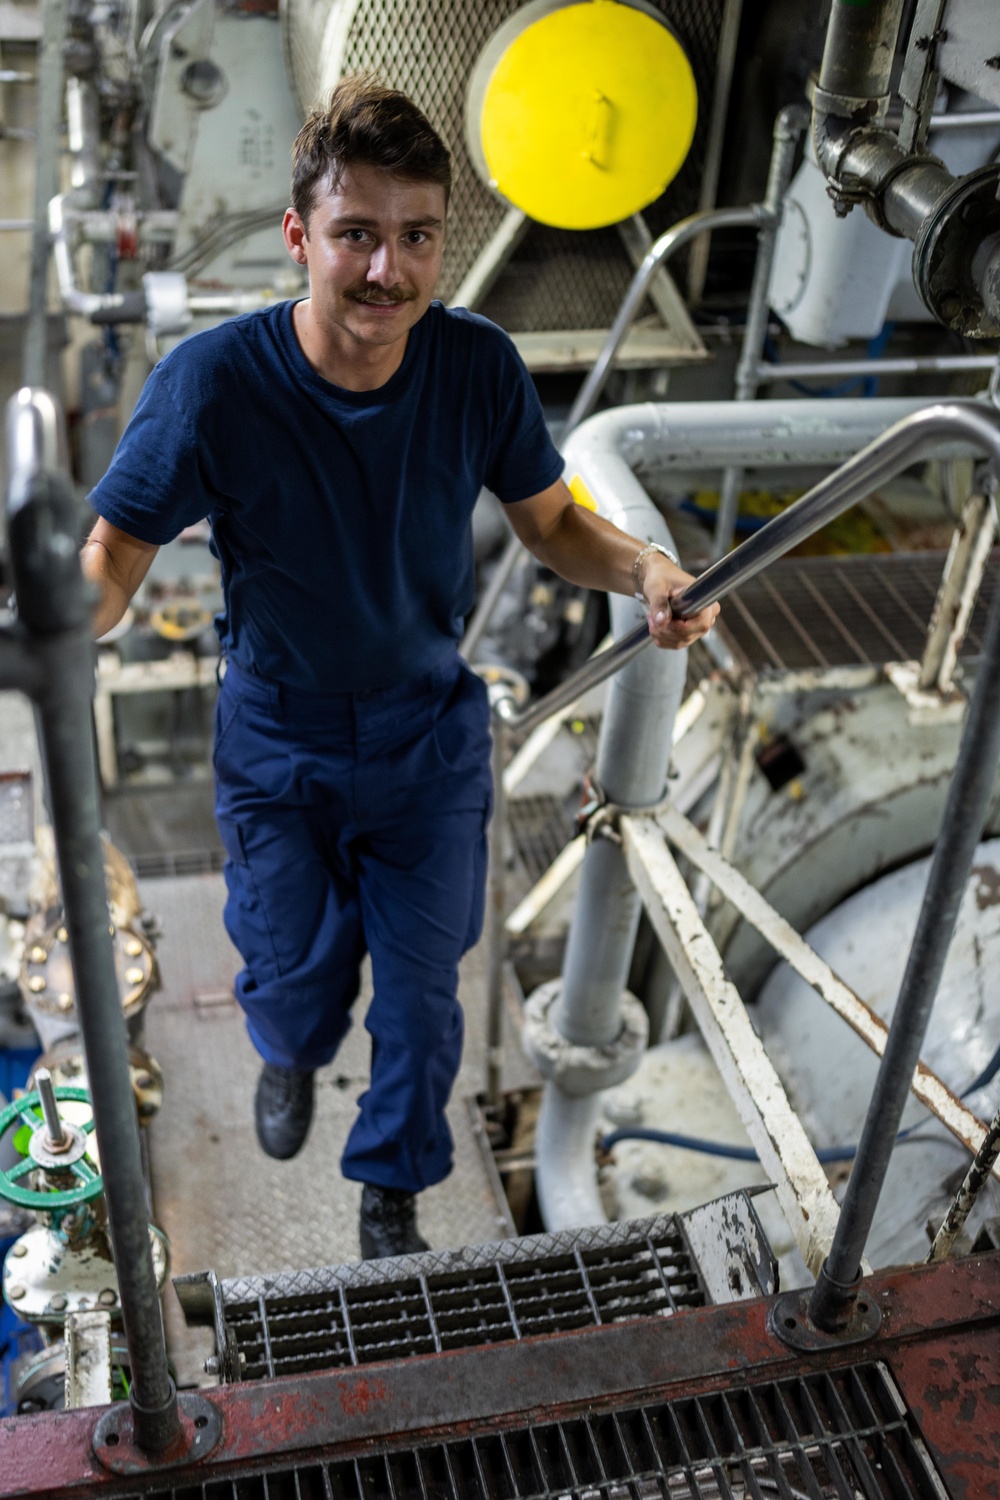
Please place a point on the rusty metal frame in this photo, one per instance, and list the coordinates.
(938, 1340)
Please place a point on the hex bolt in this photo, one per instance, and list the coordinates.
(213, 1365)
(57, 1140)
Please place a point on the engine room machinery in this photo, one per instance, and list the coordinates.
(776, 926)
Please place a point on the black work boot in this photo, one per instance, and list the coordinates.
(389, 1223)
(283, 1110)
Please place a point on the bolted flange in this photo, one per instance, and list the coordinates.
(788, 1319)
(117, 1448)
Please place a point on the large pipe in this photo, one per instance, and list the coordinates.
(953, 222)
(54, 609)
(633, 755)
(859, 50)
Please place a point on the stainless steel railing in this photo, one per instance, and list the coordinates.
(970, 424)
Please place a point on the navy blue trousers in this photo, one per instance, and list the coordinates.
(356, 823)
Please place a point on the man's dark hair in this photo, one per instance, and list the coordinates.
(363, 123)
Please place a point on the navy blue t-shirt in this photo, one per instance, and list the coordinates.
(341, 519)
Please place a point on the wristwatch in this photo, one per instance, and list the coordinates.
(641, 558)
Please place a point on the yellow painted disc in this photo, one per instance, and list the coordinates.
(588, 114)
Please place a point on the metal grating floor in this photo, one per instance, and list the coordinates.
(540, 828)
(844, 1435)
(422, 1304)
(843, 611)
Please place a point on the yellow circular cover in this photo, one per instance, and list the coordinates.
(588, 114)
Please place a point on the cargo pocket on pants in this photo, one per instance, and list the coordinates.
(245, 916)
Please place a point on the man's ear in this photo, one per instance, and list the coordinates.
(295, 236)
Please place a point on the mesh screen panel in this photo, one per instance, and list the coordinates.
(839, 1436)
(844, 611)
(427, 48)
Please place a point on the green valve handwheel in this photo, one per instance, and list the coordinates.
(55, 1146)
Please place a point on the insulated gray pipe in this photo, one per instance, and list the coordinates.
(633, 755)
(632, 759)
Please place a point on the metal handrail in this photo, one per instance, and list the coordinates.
(50, 657)
(659, 252)
(971, 423)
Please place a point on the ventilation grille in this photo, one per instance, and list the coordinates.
(556, 279)
(841, 1436)
(653, 1276)
(844, 611)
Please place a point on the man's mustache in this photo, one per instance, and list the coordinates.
(380, 294)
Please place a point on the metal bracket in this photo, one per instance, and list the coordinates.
(925, 706)
(788, 1320)
(115, 1446)
(733, 1254)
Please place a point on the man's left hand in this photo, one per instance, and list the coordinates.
(662, 582)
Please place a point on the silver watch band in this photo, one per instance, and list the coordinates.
(640, 559)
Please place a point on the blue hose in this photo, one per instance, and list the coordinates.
(746, 1153)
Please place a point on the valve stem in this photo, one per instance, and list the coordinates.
(57, 1139)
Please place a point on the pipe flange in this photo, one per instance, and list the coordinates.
(874, 163)
(946, 249)
(578, 1070)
